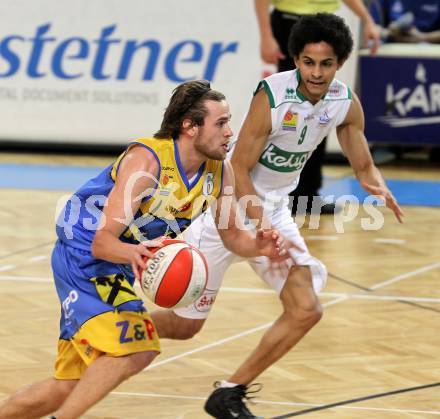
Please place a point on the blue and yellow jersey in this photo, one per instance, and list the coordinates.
(166, 210)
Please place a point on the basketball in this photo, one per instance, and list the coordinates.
(176, 276)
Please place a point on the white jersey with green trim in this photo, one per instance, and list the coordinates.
(298, 127)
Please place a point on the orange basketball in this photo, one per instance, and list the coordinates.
(176, 276)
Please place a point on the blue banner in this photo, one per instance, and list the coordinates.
(401, 99)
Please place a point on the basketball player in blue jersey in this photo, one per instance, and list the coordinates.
(156, 188)
(290, 114)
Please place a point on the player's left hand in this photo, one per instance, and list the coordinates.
(273, 245)
(384, 193)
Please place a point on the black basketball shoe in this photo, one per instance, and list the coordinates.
(228, 402)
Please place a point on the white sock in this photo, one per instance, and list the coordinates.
(224, 383)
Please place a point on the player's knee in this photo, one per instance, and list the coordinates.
(137, 362)
(187, 328)
(65, 387)
(306, 316)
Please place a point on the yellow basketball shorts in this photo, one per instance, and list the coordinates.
(111, 333)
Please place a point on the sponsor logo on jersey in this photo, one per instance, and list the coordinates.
(334, 91)
(289, 121)
(324, 119)
(280, 160)
(114, 289)
(87, 349)
(174, 210)
(67, 304)
(185, 207)
(205, 302)
(290, 93)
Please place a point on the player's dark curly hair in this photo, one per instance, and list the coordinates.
(187, 102)
(310, 29)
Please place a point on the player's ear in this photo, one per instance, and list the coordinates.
(189, 127)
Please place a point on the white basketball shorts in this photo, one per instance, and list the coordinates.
(203, 235)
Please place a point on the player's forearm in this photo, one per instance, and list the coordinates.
(240, 242)
(107, 247)
(263, 17)
(249, 200)
(370, 174)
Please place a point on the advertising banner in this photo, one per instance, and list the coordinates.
(401, 99)
(102, 71)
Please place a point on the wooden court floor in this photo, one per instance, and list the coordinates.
(374, 355)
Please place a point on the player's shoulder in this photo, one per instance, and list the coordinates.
(338, 90)
(280, 88)
(153, 144)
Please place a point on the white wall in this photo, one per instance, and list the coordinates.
(45, 42)
(37, 102)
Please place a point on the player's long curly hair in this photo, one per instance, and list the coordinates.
(187, 102)
(311, 29)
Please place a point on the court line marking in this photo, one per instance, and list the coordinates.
(340, 294)
(267, 325)
(17, 252)
(357, 400)
(404, 276)
(389, 241)
(322, 238)
(38, 258)
(7, 268)
(269, 402)
(25, 278)
(266, 291)
(209, 345)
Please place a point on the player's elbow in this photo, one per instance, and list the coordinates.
(229, 238)
(96, 247)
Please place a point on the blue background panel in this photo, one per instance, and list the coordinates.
(70, 178)
(407, 192)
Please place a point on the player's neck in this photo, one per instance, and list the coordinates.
(313, 99)
(190, 159)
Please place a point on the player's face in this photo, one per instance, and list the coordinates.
(213, 137)
(317, 64)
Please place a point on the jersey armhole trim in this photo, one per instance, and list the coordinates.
(134, 143)
(263, 84)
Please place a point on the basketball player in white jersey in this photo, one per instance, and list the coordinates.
(290, 114)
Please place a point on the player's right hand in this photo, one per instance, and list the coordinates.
(141, 254)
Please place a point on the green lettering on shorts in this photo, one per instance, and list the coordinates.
(280, 160)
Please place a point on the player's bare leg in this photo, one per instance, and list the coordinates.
(171, 326)
(37, 400)
(102, 376)
(302, 311)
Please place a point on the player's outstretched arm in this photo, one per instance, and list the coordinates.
(137, 177)
(234, 234)
(354, 145)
